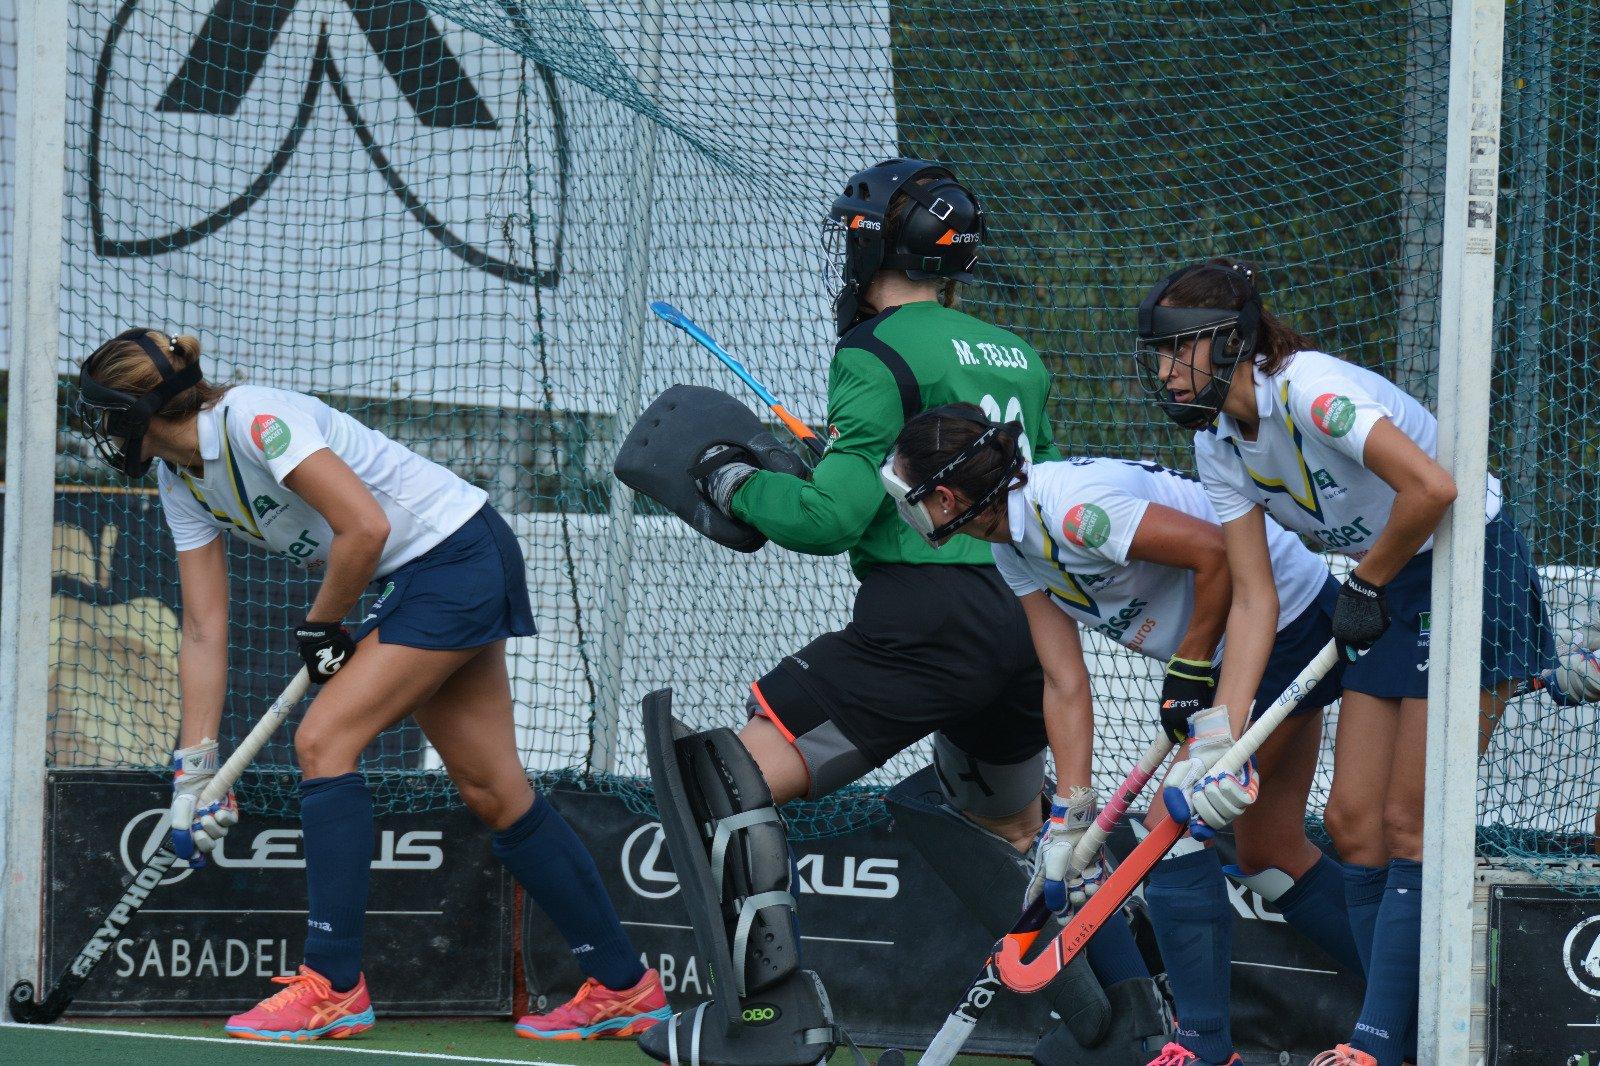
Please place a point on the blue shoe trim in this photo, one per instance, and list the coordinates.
(584, 1032)
(366, 1017)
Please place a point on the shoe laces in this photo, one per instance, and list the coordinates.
(1175, 1055)
(1336, 1057)
(298, 985)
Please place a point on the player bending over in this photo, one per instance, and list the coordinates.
(285, 471)
(1133, 551)
(1341, 456)
(937, 645)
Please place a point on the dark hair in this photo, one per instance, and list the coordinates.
(933, 438)
(1221, 283)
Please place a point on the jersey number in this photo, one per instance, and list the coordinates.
(1012, 413)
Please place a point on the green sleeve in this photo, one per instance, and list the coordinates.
(1040, 436)
(828, 514)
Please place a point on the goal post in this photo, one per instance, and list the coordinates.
(1466, 357)
(35, 333)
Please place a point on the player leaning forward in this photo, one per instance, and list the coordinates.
(1340, 455)
(937, 645)
(285, 471)
(1132, 551)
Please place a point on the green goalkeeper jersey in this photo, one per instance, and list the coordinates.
(909, 358)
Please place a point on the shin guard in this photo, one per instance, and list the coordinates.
(731, 854)
(989, 877)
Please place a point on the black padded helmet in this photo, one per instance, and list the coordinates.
(1235, 334)
(938, 237)
(117, 421)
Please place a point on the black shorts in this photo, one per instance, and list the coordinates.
(930, 648)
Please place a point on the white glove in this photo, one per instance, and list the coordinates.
(196, 831)
(1576, 678)
(1055, 873)
(1195, 793)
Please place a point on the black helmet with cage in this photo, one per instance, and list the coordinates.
(1235, 333)
(937, 236)
(117, 421)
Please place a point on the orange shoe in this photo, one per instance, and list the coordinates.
(1175, 1054)
(596, 1012)
(308, 1009)
(1344, 1055)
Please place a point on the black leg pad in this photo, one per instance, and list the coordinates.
(1140, 1025)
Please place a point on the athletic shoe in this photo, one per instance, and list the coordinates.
(1175, 1054)
(307, 1009)
(1344, 1055)
(599, 1013)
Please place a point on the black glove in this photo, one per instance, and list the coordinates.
(1359, 617)
(1187, 689)
(719, 473)
(324, 648)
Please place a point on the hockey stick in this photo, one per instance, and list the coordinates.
(23, 1006)
(671, 315)
(1033, 975)
(981, 992)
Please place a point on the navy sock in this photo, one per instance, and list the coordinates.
(1188, 901)
(1363, 895)
(557, 871)
(1114, 954)
(1315, 906)
(1388, 1014)
(336, 819)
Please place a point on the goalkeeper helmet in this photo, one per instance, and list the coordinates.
(937, 235)
(921, 443)
(1166, 330)
(116, 421)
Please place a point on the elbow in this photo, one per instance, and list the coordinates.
(1440, 491)
(373, 532)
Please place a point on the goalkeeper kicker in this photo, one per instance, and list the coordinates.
(284, 471)
(937, 645)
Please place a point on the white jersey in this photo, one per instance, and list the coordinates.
(1305, 465)
(254, 437)
(1072, 525)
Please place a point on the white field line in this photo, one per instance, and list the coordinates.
(318, 1045)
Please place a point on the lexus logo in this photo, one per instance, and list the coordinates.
(1580, 954)
(645, 863)
(193, 119)
(141, 836)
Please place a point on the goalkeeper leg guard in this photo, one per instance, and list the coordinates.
(1140, 1025)
(731, 853)
(989, 877)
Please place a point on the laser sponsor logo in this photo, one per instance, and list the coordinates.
(646, 869)
(271, 849)
(1333, 414)
(1580, 955)
(239, 88)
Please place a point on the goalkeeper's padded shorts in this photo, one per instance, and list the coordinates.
(468, 590)
(1517, 640)
(930, 648)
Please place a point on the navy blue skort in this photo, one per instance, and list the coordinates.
(1297, 645)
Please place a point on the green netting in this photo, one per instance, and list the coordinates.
(446, 219)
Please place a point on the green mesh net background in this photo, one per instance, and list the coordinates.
(447, 219)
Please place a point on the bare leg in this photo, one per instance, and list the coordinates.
(470, 723)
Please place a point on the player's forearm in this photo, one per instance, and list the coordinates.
(1416, 515)
(1252, 628)
(825, 515)
(352, 561)
(1213, 596)
(1069, 730)
(203, 683)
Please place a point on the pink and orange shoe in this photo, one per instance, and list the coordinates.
(307, 1009)
(596, 1012)
(1175, 1054)
(1344, 1055)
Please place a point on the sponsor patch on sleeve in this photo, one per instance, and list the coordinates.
(1086, 525)
(271, 435)
(1333, 414)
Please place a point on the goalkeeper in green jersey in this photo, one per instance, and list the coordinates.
(937, 645)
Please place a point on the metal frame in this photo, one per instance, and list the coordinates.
(30, 472)
(1466, 346)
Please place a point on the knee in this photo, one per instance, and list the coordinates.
(495, 804)
(1357, 831)
(1018, 830)
(318, 751)
(1402, 832)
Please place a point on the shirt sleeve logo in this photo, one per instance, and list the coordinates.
(271, 435)
(1333, 414)
(1086, 525)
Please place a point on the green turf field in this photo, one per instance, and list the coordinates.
(126, 1042)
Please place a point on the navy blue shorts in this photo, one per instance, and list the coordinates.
(469, 590)
(1298, 644)
(1517, 641)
